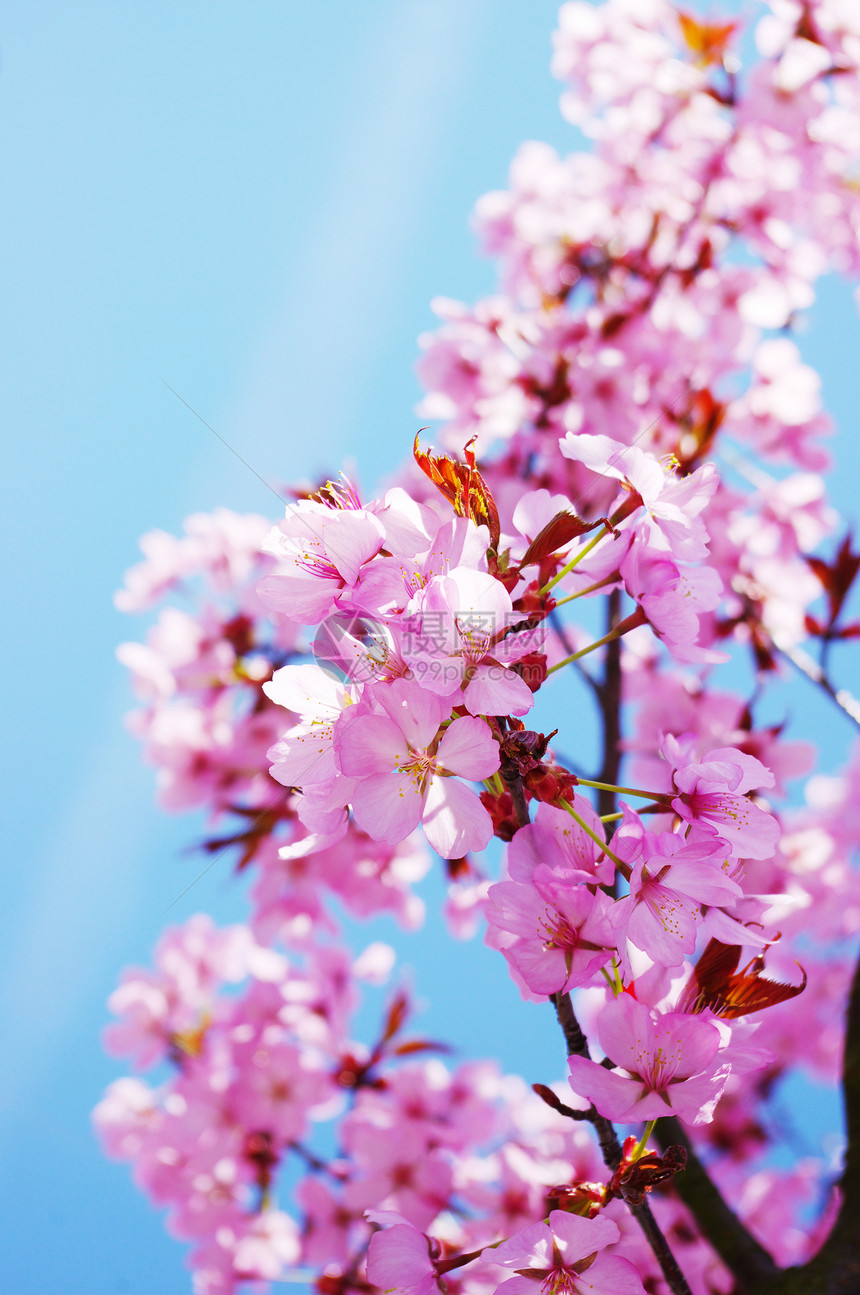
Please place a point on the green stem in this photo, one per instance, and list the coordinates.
(642, 1145)
(629, 623)
(622, 867)
(589, 589)
(574, 561)
(622, 791)
(494, 783)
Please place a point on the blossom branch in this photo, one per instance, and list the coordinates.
(610, 694)
(511, 778)
(835, 1270)
(630, 622)
(610, 1147)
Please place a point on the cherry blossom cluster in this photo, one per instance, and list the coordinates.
(629, 498)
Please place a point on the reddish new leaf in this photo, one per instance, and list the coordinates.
(837, 577)
(716, 986)
(563, 528)
(419, 1045)
(397, 1014)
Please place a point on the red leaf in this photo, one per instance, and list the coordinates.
(563, 528)
(397, 1014)
(419, 1045)
(715, 986)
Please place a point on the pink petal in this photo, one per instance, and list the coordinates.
(399, 1259)
(613, 1275)
(752, 772)
(625, 1030)
(416, 712)
(454, 819)
(493, 690)
(309, 690)
(350, 539)
(388, 806)
(304, 756)
(695, 1039)
(544, 971)
(579, 1237)
(469, 749)
(372, 744)
(612, 1094)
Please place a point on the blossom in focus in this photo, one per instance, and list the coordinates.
(561, 936)
(555, 846)
(456, 642)
(674, 879)
(665, 1065)
(403, 765)
(714, 790)
(304, 755)
(321, 552)
(565, 1254)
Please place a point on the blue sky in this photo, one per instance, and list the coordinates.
(254, 203)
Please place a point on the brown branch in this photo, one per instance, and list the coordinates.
(835, 1270)
(610, 1147)
(609, 693)
(511, 778)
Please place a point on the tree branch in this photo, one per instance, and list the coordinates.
(610, 1147)
(609, 694)
(514, 783)
(835, 1270)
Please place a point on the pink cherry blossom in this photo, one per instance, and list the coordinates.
(673, 505)
(403, 767)
(621, 368)
(565, 1253)
(320, 553)
(555, 847)
(675, 879)
(457, 639)
(400, 1259)
(304, 755)
(562, 937)
(667, 1065)
(713, 790)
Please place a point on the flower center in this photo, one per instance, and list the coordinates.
(317, 562)
(556, 931)
(419, 766)
(475, 639)
(559, 1281)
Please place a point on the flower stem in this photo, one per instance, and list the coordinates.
(589, 589)
(642, 1145)
(622, 867)
(574, 561)
(629, 623)
(622, 791)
